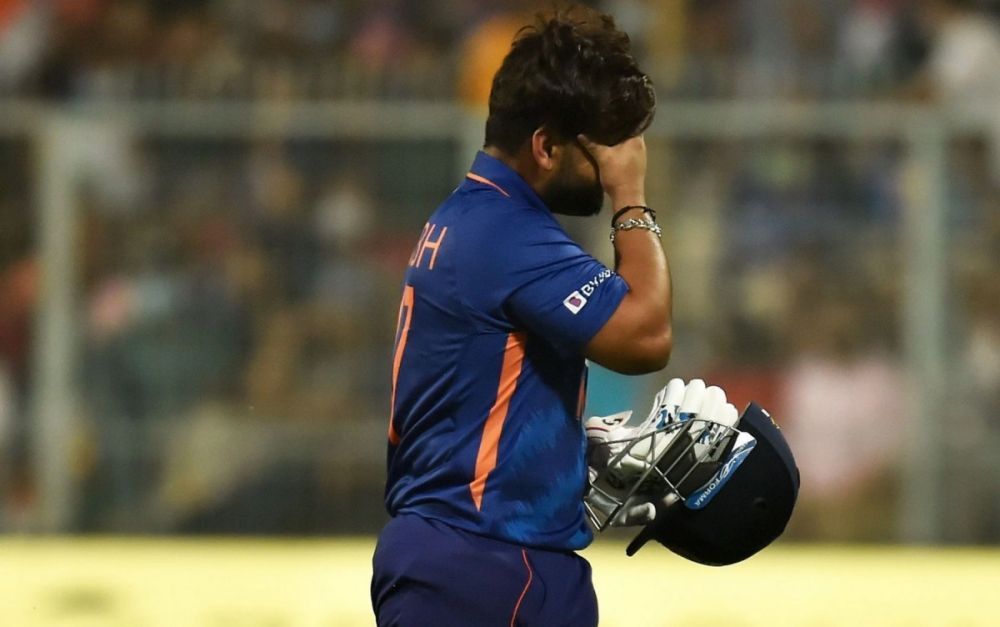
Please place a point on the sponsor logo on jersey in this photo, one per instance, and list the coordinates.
(587, 289)
(575, 302)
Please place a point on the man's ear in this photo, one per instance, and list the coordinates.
(545, 150)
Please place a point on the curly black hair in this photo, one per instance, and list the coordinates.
(572, 72)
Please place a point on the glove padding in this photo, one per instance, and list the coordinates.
(607, 438)
(685, 422)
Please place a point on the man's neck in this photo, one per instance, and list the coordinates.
(522, 163)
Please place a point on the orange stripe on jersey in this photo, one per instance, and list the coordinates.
(403, 324)
(486, 459)
(480, 179)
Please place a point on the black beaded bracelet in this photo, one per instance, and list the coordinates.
(620, 212)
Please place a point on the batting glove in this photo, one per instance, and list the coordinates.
(608, 437)
(620, 455)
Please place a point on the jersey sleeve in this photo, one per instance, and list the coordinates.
(560, 292)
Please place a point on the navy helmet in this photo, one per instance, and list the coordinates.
(748, 512)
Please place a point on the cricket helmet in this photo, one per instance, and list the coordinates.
(721, 493)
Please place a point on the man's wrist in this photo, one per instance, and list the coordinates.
(635, 210)
(624, 199)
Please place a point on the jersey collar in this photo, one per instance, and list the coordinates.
(492, 172)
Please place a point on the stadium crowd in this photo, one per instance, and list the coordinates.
(224, 284)
(312, 49)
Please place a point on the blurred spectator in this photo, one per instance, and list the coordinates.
(205, 461)
(19, 287)
(974, 472)
(19, 293)
(485, 48)
(281, 228)
(382, 38)
(965, 52)
(165, 330)
(878, 45)
(24, 28)
(843, 403)
(335, 334)
(775, 46)
(113, 169)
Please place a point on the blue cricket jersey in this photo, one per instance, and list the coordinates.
(489, 379)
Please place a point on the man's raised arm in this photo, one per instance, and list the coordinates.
(638, 337)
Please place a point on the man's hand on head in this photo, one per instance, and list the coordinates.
(622, 169)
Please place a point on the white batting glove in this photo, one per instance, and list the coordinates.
(676, 403)
(606, 494)
(604, 498)
(679, 403)
(614, 449)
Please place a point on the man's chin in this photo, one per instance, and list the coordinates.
(578, 205)
(577, 200)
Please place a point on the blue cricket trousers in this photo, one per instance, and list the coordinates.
(429, 574)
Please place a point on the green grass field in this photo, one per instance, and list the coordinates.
(315, 583)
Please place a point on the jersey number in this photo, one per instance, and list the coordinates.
(402, 331)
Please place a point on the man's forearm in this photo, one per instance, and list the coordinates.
(640, 260)
(638, 337)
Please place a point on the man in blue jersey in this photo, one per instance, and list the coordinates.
(500, 310)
